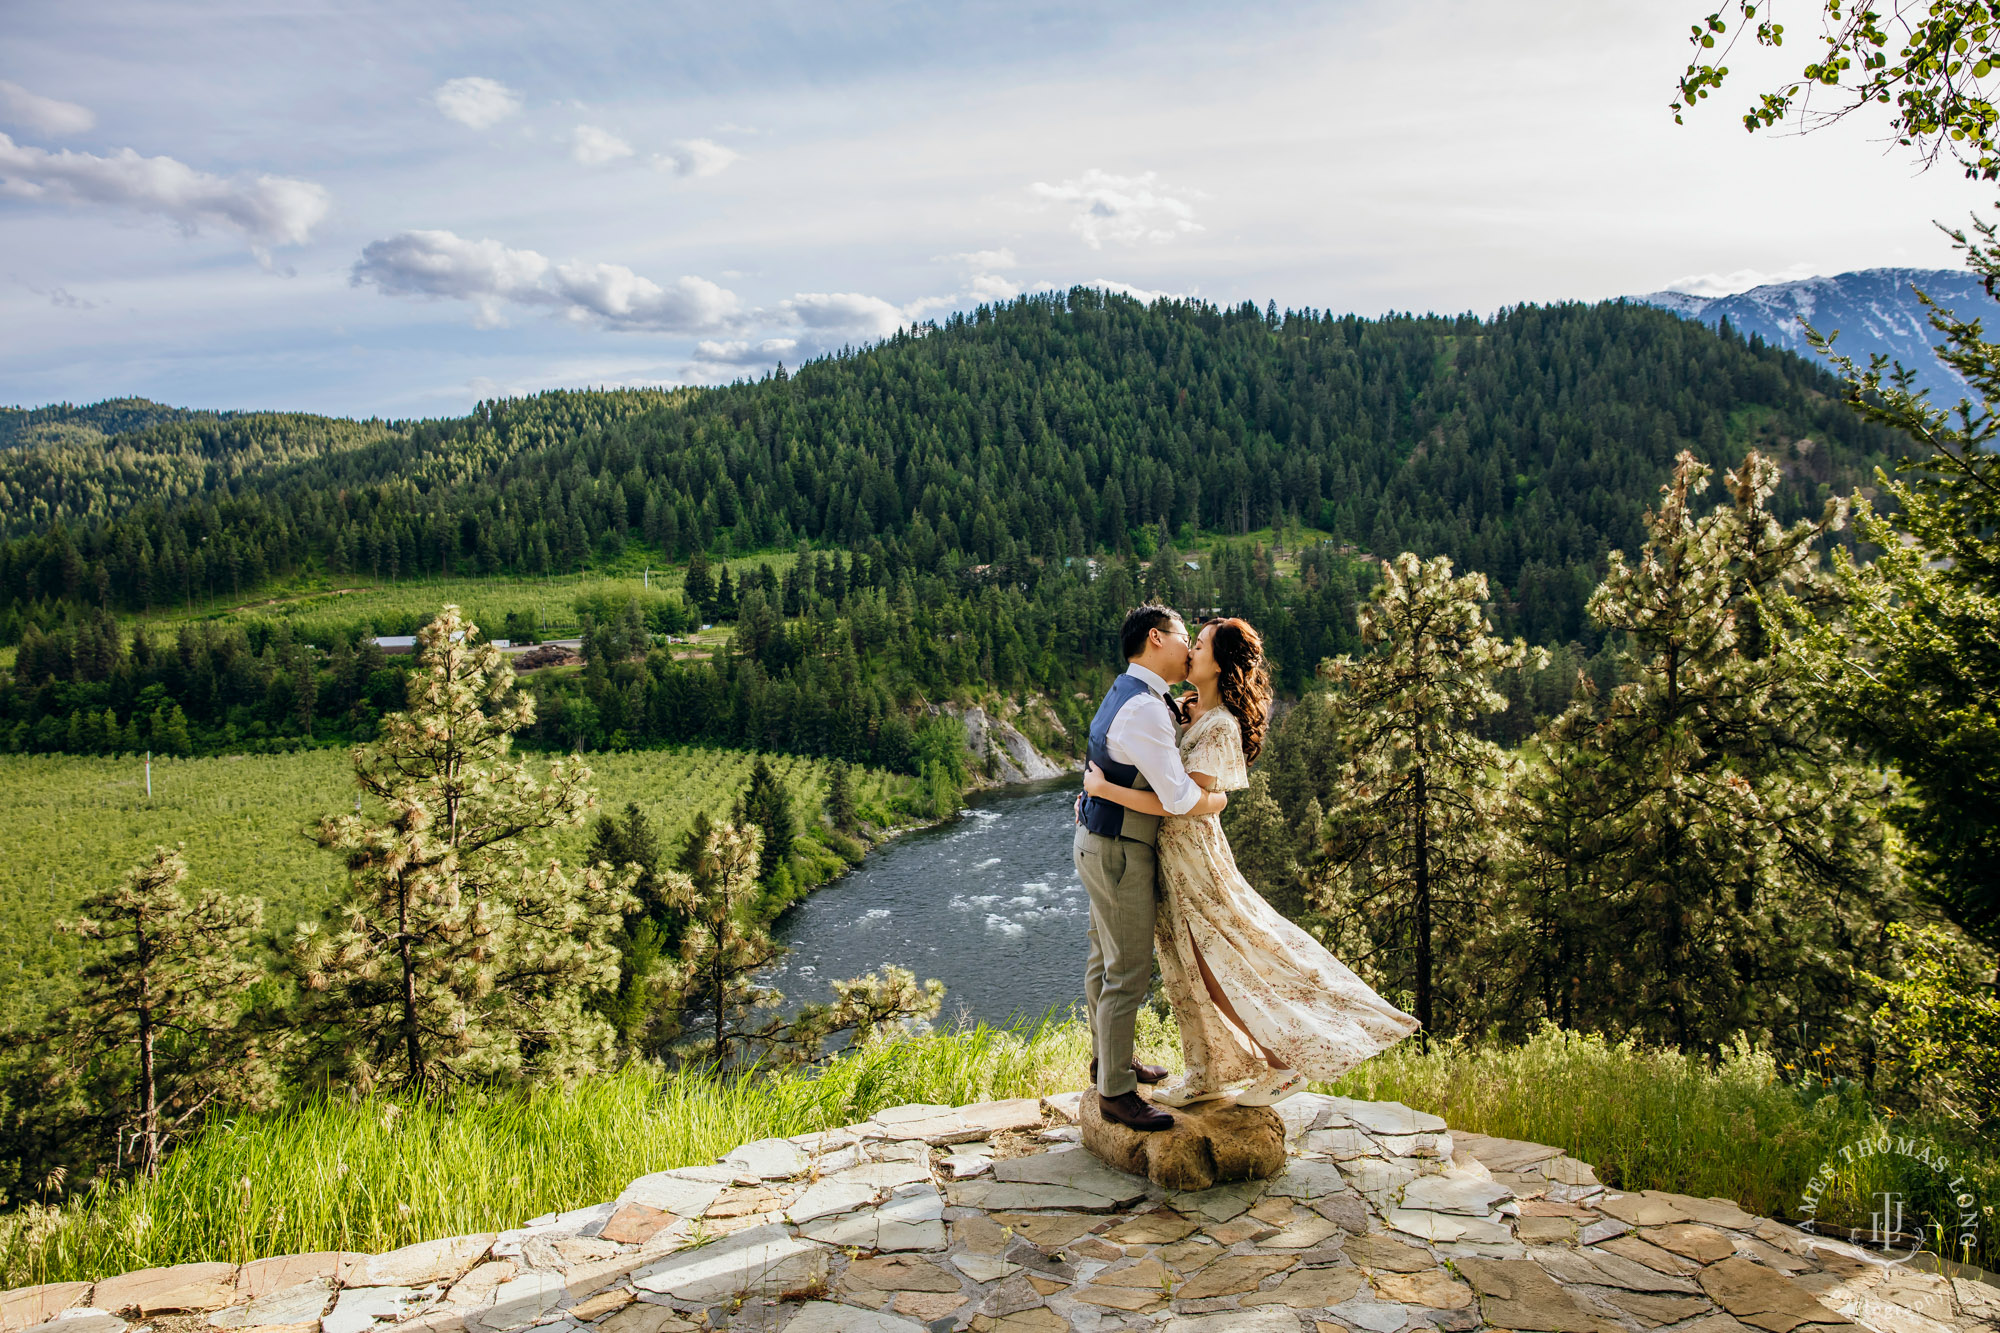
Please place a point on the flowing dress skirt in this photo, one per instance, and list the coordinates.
(1299, 1002)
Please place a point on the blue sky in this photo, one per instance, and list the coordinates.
(391, 209)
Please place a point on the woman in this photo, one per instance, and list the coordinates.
(1256, 997)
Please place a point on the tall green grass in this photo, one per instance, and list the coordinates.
(374, 1174)
(1658, 1119)
(370, 1175)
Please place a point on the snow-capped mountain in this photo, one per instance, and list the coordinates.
(1874, 310)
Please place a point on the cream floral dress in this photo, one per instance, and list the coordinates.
(1300, 1003)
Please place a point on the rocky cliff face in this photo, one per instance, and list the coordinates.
(999, 751)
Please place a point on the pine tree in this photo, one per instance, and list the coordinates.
(840, 805)
(153, 1041)
(1414, 831)
(766, 804)
(457, 955)
(1914, 667)
(632, 843)
(1706, 855)
(698, 589)
(715, 885)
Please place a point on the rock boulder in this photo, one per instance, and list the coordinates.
(1211, 1143)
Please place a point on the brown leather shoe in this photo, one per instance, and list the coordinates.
(1144, 1073)
(1134, 1112)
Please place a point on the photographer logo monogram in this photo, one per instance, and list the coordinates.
(1889, 1220)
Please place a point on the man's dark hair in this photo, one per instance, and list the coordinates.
(1141, 621)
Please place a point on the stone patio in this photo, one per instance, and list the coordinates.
(991, 1218)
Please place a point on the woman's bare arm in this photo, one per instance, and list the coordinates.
(1148, 802)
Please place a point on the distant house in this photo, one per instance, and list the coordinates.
(395, 644)
(1194, 565)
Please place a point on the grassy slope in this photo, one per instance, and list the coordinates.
(71, 825)
(355, 1175)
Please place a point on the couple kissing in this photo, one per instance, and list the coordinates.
(1256, 998)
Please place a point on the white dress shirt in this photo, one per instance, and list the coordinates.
(1142, 735)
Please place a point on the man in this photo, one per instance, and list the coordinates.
(1132, 741)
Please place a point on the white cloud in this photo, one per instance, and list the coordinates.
(1136, 293)
(444, 265)
(476, 103)
(1742, 280)
(742, 352)
(844, 312)
(695, 157)
(268, 210)
(18, 106)
(1122, 209)
(983, 259)
(995, 286)
(594, 147)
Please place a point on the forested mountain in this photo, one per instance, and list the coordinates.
(68, 423)
(1525, 446)
(1874, 311)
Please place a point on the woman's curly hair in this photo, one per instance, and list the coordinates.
(1245, 684)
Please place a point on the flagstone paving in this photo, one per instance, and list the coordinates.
(992, 1218)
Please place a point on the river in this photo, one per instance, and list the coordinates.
(989, 904)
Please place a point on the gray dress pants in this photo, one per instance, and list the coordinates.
(1117, 873)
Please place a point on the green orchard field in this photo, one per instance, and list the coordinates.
(317, 603)
(71, 825)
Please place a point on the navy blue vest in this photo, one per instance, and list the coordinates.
(1108, 818)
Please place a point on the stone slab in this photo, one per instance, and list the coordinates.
(830, 1196)
(90, 1320)
(900, 1272)
(191, 1287)
(1703, 1244)
(1503, 1154)
(261, 1277)
(1234, 1273)
(911, 1220)
(1390, 1118)
(517, 1303)
(1450, 1193)
(1303, 1179)
(427, 1263)
(763, 1260)
(1247, 1321)
(883, 1175)
(1222, 1202)
(1311, 1289)
(25, 1307)
(673, 1192)
(1065, 1106)
(1762, 1298)
(1517, 1294)
(1596, 1268)
(1342, 1143)
(1432, 1288)
(301, 1303)
(358, 1308)
(1346, 1211)
(636, 1223)
(645, 1317)
(767, 1159)
(1388, 1254)
(995, 1195)
(829, 1317)
(1075, 1168)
